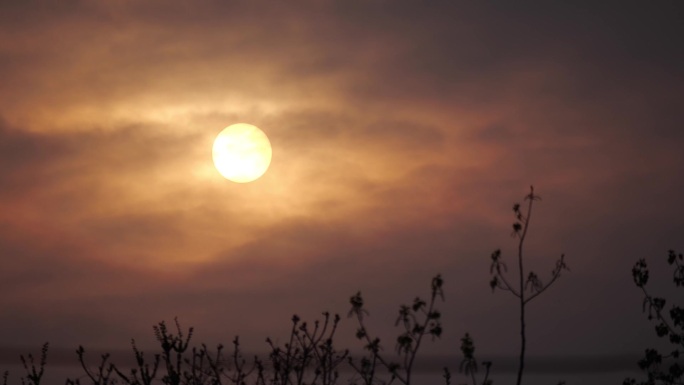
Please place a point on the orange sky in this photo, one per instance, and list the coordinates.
(402, 132)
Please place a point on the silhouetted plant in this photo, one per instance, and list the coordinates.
(309, 352)
(173, 347)
(320, 340)
(417, 320)
(33, 374)
(197, 373)
(215, 365)
(103, 373)
(218, 367)
(446, 374)
(290, 360)
(308, 358)
(532, 283)
(239, 364)
(669, 325)
(468, 365)
(142, 373)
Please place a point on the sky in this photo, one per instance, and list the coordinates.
(402, 134)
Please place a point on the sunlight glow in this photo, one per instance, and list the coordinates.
(242, 153)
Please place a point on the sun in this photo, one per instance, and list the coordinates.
(242, 153)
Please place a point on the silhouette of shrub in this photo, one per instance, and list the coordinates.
(309, 357)
(468, 364)
(662, 367)
(418, 320)
(34, 375)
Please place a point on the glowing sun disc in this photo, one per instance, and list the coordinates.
(242, 153)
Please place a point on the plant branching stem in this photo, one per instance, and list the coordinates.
(523, 341)
(420, 336)
(376, 355)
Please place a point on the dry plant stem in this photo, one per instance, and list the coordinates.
(447, 376)
(424, 326)
(309, 356)
(486, 377)
(198, 373)
(32, 375)
(172, 345)
(143, 374)
(367, 371)
(376, 353)
(523, 340)
(214, 364)
(240, 372)
(409, 342)
(324, 353)
(532, 281)
(469, 364)
(104, 371)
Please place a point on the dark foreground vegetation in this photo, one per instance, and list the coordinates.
(665, 367)
(310, 356)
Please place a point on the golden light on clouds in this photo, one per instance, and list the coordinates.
(242, 153)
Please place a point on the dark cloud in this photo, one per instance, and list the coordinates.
(24, 158)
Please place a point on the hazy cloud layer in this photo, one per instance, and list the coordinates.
(402, 133)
